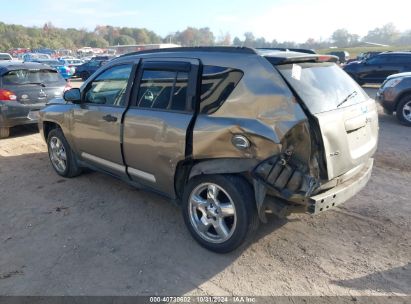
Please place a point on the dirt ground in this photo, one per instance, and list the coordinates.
(94, 235)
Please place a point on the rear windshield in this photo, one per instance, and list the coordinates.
(17, 77)
(322, 86)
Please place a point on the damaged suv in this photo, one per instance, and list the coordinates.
(227, 133)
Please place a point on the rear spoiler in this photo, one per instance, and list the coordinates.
(301, 58)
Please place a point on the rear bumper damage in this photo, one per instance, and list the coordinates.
(297, 191)
(340, 193)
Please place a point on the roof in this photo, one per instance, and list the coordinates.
(275, 56)
(11, 66)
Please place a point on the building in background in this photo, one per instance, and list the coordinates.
(124, 49)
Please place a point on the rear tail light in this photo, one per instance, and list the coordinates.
(6, 95)
(68, 86)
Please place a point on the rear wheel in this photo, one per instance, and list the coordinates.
(60, 154)
(4, 132)
(219, 211)
(404, 110)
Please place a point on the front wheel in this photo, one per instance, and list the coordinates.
(404, 110)
(219, 211)
(60, 154)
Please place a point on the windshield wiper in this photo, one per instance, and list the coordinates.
(37, 83)
(351, 95)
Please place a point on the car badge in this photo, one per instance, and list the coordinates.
(24, 96)
(42, 93)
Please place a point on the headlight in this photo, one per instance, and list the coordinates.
(392, 82)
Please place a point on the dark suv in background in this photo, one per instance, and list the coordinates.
(395, 96)
(376, 69)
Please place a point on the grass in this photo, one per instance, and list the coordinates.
(354, 51)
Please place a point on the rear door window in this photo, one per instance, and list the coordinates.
(322, 86)
(21, 77)
(166, 90)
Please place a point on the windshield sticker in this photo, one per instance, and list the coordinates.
(296, 72)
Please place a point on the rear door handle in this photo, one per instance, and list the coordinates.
(110, 118)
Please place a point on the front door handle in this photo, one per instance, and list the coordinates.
(110, 118)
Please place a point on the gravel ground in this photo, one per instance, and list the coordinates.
(94, 235)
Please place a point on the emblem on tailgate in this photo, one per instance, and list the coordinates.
(336, 153)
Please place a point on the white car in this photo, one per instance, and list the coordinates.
(5, 56)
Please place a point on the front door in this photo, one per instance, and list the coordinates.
(158, 123)
(96, 125)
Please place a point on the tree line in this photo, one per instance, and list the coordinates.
(14, 36)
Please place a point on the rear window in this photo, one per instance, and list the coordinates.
(322, 86)
(18, 77)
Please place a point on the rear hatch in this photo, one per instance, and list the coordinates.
(346, 116)
(34, 87)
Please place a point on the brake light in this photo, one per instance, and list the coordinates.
(68, 86)
(6, 95)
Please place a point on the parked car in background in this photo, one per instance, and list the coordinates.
(65, 71)
(34, 56)
(85, 70)
(228, 133)
(343, 56)
(395, 96)
(24, 90)
(5, 56)
(377, 68)
(72, 63)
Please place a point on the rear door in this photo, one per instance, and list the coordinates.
(377, 68)
(96, 122)
(158, 123)
(347, 117)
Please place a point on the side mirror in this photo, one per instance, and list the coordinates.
(73, 95)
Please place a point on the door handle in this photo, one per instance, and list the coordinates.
(110, 118)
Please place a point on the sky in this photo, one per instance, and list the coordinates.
(294, 20)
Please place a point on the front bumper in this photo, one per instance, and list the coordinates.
(14, 114)
(387, 98)
(340, 193)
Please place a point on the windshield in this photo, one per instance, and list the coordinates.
(322, 86)
(19, 77)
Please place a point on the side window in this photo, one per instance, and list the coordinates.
(166, 90)
(217, 83)
(378, 60)
(399, 59)
(109, 87)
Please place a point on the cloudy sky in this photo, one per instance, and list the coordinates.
(295, 20)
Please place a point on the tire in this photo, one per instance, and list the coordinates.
(84, 76)
(223, 222)
(61, 156)
(4, 132)
(404, 110)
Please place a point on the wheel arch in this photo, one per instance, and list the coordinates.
(48, 126)
(401, 96)
(186, 170)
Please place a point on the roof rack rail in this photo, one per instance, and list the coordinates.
(299, 50)
(224, 49)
